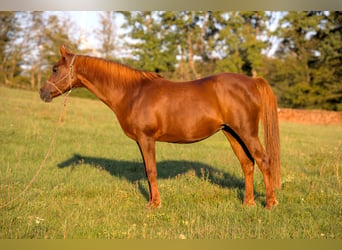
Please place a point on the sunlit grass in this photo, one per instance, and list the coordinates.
(93, 184)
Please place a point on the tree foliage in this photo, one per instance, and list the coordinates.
(9, 49)
(152, 47)
(241, 36)
(307, 66)
(106, 35)
(305, 71)
(32, 46)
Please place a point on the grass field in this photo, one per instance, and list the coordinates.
(93, 184)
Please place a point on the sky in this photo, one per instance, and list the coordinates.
(87, 22)
(85, 19)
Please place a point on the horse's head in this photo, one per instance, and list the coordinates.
(62, 78)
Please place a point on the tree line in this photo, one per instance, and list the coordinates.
(299, 53)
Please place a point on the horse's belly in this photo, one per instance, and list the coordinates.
(180, 117)
(188, 131)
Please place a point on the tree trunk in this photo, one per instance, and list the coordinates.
(32, 77)
(39, 76)
(191, 59)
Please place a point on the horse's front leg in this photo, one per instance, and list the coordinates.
(148, 151)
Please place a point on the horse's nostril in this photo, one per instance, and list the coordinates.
(44, 95)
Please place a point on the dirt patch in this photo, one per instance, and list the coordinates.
(310, 116)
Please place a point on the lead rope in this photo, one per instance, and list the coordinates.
(59, 122)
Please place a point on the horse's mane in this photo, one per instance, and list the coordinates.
(111, 72)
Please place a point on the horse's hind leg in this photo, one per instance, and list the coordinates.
(247, 164)
(262, 159)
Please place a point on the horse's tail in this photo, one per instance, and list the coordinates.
(269, 118)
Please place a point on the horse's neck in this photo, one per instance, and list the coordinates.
(103, 84)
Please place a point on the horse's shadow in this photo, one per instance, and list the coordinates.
(134, 171)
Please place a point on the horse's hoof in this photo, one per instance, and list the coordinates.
(248, 203)
(273, 204)
(154, 205)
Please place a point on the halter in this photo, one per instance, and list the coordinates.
(70, 75)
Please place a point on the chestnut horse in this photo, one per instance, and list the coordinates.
(150, 108)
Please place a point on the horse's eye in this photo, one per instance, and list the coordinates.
(54, 69)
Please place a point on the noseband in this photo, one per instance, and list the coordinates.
(70, 74)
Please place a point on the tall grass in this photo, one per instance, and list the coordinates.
(93, 184)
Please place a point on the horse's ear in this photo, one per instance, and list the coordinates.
(62, 50)
(67, 51)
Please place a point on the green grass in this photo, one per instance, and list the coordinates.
(93, 183)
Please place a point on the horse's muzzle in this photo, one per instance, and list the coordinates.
(45, 95)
